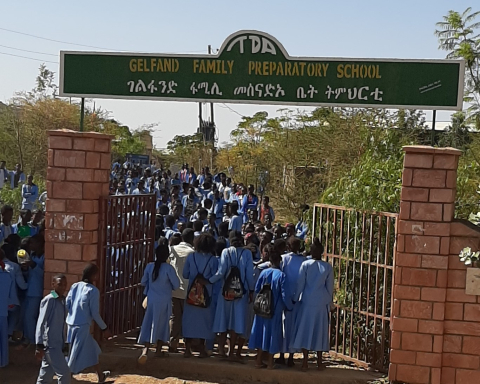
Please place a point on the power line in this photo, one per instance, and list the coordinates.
(231, 109)
(56, 41)
(26, 50)
(30, 58)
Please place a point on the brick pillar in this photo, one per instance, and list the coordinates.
(421, 264)
(78, 174)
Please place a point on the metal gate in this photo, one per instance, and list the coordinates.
(126, 246)
(361, 248)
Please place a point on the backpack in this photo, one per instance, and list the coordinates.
(263, 304)
(233, 287)
(198, 295)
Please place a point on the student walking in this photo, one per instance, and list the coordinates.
(267, 330)
(50, 335)
(160, 279)
(5, 289)
(83, 308)
(315, 287)
(198, 311)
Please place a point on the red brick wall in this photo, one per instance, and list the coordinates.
(433, 319)
(78, 174)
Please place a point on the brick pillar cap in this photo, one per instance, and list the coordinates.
(428, 149)
(70, 133)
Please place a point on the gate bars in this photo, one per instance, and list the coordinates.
(126, 246)
(361, 248)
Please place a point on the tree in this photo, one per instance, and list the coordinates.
(459, 34)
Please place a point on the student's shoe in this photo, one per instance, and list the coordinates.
(142, 359)
(106, 375)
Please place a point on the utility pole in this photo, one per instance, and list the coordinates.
(434, 117)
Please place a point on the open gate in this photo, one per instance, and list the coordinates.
(361, 248)
(126, 246)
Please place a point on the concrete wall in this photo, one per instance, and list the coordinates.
(78, 174)
(436, 326)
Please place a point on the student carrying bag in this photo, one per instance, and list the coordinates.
(263, 304)
(233, 287)
(198, 295)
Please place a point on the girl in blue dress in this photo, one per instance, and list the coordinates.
(230, 315)
(291, 263)
(160, 279)
(267, 334)
(83, 306)
(315, 287)
(197, 322)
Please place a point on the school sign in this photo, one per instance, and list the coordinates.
(253, 67)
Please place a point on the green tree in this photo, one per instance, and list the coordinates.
(459, 34)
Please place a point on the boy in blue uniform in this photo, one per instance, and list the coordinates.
(50, 335)
(5, 290)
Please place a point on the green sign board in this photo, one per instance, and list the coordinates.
(253, 67)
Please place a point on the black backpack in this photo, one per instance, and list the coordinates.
(233, 287)
(263, 304)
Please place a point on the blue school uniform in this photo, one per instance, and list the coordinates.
(50, 335)
(33, 297)
(315, 286)
(236, 223)
(83, 302)
(291, 264)
(30, 196)
(18, 282)
(231, 315)
(155, 325)
(5, 297)
(267, 334)
(197, 322)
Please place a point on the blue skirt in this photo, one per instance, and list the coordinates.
(84, 350)
(3, 341)
(230, 315)
(311, 327)
(267, 334)
(156, 322)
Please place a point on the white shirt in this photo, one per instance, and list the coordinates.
(178, 256)
(3, 175)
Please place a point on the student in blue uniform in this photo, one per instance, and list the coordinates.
(291, 263)
(267, 334)
(236, 221)
(5, 289)
(315, 286)
(83, 307)
(160, 279)
(34, 293)
(50, 335)
(197, 321)
(230, 315)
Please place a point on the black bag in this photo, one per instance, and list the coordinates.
(197, 294)
(263, 304)
(233, 287)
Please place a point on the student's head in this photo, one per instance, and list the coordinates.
(202, 214)
(220, 245)
(223, 229)
(223, 177)
(180, 226)
(37, 216)
(293, 244)
(26, 216)
(252, 215)
(90, 274)
(205, 243)
(164, 194)
(188, 235)
(169, 221)
(177, 210)
(280, 246)
(316, 249)
(278, 231)
(266, 201)
(196, 183)
(3, 164)
(197, 225)
(59, 284)
(163, 210)
(30, 179)
(234, 207)
(207, 185)
(268, 220)
(207, 203)
(259, 229)
(192, 170)
(37, 244)
(290, 230)
(265, 239)
(212, 218)
(252, 238)
(251, 189)
(141, 184)
(236, 239)
(269, 248)
(7, 214)
(185, 187)
(18, 167)
(275, 258)
(175, 239)
(161, 256)
(189, 225)
(14, 240)
(249, 228)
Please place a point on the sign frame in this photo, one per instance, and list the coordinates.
(457, 107)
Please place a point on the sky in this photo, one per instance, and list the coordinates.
(312, 28)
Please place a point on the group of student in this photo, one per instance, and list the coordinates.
(17, 179)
